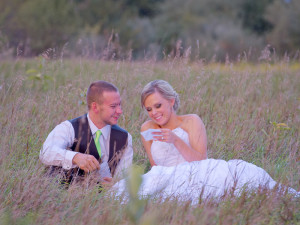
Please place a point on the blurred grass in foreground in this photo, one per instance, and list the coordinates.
(243, 106)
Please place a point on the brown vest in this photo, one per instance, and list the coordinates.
(84, 143)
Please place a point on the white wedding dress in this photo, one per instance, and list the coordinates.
(174, 177)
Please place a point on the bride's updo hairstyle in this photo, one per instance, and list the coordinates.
(163, 88)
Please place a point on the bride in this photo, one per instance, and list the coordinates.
(177, 151)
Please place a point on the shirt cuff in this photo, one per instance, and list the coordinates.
(67, 163)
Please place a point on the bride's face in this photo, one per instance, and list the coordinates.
(159, 109)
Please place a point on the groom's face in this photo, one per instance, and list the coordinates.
(110, 107)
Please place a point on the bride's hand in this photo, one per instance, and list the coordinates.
(166, 135)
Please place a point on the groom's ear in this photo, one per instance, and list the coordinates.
(94, 106)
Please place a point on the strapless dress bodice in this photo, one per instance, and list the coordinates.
(166, 154)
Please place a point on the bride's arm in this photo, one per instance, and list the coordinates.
(195, 128)
(197, 137)
(147, 144)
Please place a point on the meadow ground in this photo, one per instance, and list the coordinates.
(251, 112)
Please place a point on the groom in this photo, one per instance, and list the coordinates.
(92, 141)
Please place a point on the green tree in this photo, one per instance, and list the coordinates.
(252, 13)
(116, 28)
(11, 30)
(210, 27)
(285, 17)
(37, 25)
(145, 8)
(48, 24)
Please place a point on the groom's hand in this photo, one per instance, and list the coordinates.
(106, 182)
(86, 162)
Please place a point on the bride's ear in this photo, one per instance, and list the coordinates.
(172, 102)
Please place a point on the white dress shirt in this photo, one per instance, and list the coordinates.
(55, 149)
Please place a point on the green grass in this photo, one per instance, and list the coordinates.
(242, 106)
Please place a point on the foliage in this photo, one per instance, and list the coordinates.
(34, 26)
(130, 29)
(285, 18)
(210, 28)
(252, 15)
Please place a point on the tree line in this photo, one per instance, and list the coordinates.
(139, 29)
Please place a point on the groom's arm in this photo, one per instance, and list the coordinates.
(55, 149)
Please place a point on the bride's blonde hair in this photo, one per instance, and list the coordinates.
(163, 88)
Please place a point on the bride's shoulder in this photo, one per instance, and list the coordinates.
(148, 125)
(190, 118)
(190, 121)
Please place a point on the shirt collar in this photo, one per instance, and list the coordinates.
(104, 130)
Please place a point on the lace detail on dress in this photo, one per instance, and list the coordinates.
(165, 154)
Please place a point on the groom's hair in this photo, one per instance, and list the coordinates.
(96, 89)
(163, 88)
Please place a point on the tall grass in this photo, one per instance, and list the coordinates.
(251, 112)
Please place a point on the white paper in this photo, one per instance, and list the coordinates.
(147, 134)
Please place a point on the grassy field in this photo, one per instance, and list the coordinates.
(251, 112)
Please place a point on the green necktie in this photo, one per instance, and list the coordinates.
(97, 141)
